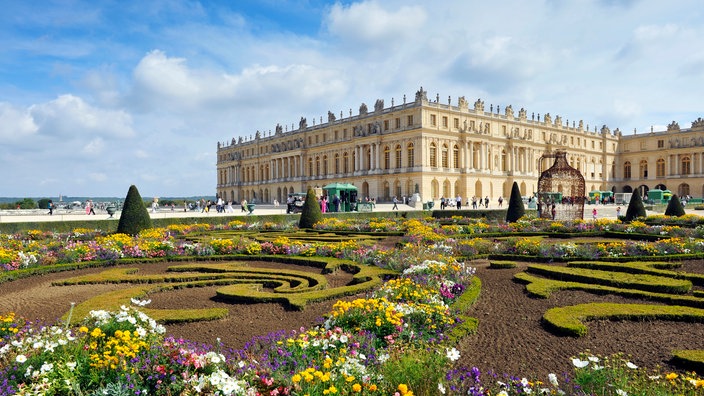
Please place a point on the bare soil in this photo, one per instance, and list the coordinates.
(510, 338)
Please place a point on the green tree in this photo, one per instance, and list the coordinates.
(134, 217)
(311, 213)
(635, 208)
(27, 203)
(516, 210)
(674, 207)
(43, 203)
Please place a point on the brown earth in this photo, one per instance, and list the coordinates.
(510, 337)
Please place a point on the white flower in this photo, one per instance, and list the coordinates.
(21, 358)
(580, 363)
(524, 382)
(383, 357)
(620, 392)
(46, 367)
(593, 359)
(140, 303)
(502, 393)
(441, 388)
(71, 365)
(453, 354)
(553, 379)
(631, 365)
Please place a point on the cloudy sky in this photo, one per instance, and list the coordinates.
(98, 95)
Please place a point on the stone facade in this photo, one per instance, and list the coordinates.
(667, 160)
(444, 150)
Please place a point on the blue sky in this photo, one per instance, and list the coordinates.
(98, 95)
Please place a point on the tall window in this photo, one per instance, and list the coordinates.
(433, 155)
(345, 162)
(411, 155)
(686, 165)
(398, 156)
(337, 163)
(660, 167)
(325, 165)
(627, 170)
(445, 153)
(643, 169)
(317, 166)
(456, 157)
(433, 120)
(310, 167)
(409, 121)
(387, 157)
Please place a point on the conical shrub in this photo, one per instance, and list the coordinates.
(134, 217)
(635, 208)
(674, 207)
(311, 213)
(516, 210)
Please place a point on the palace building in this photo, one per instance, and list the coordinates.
(449, 149)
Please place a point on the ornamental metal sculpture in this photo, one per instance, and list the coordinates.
(560, 190)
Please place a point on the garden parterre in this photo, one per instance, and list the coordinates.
(387, 343)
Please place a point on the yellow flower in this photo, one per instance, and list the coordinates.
(356, 388)
(671, 376)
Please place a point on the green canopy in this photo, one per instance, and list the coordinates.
(336, 186)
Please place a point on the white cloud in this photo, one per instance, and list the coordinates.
(71, 116)
(94, 147)
(366, 23)
(15, 124)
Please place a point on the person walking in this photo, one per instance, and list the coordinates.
(486, 202)
(594, 213)
(618, 212)
(51, 207)
(501, 201)
(459, 202)
(90, 206)
(395, 204)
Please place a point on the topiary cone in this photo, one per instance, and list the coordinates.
(674, 207)
(635, 208)
(134, 217)
(311, 213)
(516, 210)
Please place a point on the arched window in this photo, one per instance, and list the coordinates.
(411, 155)
(433, 155)
(310, 167)
(317, 166)
(627, 170)
(445, 154)
(455, 157)
(387, 157)
(643, 172)
(686, 165)
(660, 167)
(325, 165)
(398, 156)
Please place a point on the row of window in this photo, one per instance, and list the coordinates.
(685, 168)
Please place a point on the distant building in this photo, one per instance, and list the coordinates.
(445, 150)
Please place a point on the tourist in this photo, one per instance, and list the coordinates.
(324, 204)
(501, 201)
(486, 202)
(243, 205)
(459, 202)
(594, 213)
(51, 207)
(618, 212)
